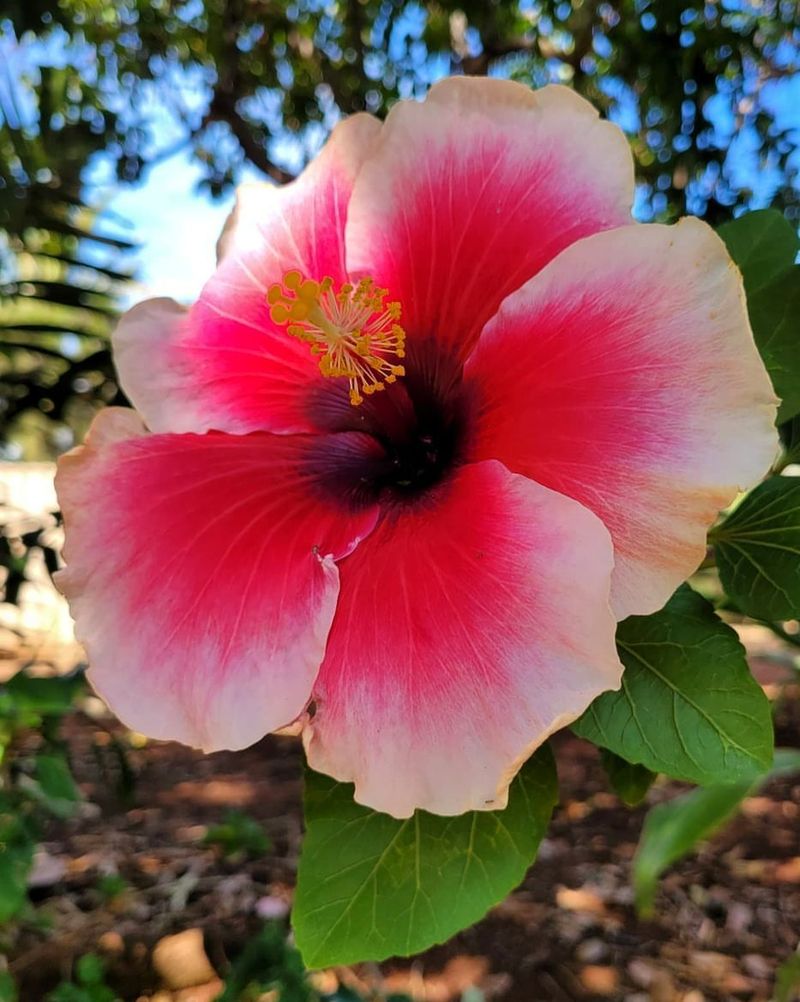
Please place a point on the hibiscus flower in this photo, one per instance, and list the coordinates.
(442, 416)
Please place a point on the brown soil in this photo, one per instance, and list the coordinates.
(727, 917)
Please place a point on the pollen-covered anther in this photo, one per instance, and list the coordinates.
(353, 331)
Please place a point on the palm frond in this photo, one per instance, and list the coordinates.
(64, 270)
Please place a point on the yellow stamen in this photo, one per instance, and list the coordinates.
(354, 332)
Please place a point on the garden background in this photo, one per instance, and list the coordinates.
(124, 128)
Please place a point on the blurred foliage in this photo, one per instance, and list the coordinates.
(239, 76)
(36, 786)
(89, 984)
(35, 776)
(8, 989)
(269, 962)
(112, 886)
(238, 835)
(787, 979)
(59, 277)
(261, 82)
(673, 829)
(23, 540)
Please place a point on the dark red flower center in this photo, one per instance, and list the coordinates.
(411, 436)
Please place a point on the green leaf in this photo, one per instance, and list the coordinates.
(90, 970)
(371, 886)
(46, 696)
(238, 833)
(688, 705)
(672, 830)
(16, 859)
(112, 886)
(763, 244)
(629, 781)
(8, 990)
(266, 962)
(89, 985)
(56, 787)
(775, 317)
(787, 979)
(790, 440)
(758, 551)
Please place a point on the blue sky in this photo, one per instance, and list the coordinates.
(176, 225)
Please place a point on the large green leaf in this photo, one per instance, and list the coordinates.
(673, 829)
(764, 246)
(758, 550)
(775, 316)
(371, 886)
(688, 705)
(790, 441)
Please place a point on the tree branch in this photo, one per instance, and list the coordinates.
(223, 103)
(223, 109)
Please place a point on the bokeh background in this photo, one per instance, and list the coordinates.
(124, 128)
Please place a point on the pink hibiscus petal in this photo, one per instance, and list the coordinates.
(223, 364)
(625, 376)
(201, 574)
(472, 191)
(470, 626)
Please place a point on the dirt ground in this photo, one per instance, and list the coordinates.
(726, 919)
